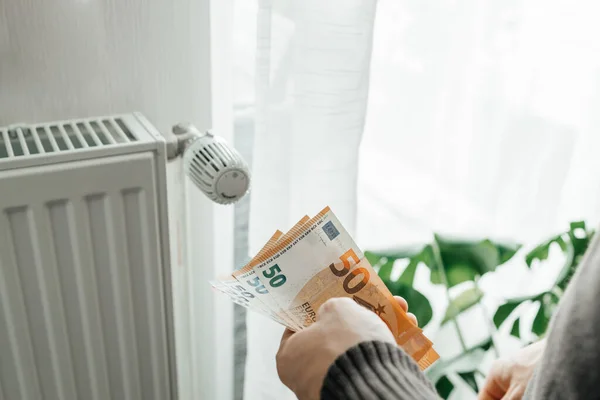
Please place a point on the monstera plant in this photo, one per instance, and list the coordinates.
(453, 262)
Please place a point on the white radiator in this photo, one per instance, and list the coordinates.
(86, 309)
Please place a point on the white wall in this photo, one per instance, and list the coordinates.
(74, 58)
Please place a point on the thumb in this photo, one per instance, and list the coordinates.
(485, 396)
(491, 390)
(335, 308)
(497, 381)
(356, 321)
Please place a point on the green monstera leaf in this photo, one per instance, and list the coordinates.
(458, 260)
(417, 302)
(464, 365)
(462, 303)
(541, 252)
(516, 329)
(464, 261)
(506, 309)
(384, 260)
(546, 302)
(454, 261)
(573, 243)
(444, 387)
(403, 286)
(579, 241)
(469, 378)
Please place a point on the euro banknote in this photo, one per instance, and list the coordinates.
(241, 292)
(248, 279)
(294, 274)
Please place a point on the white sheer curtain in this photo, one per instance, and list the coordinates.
(483, 117)
(312, 65)
(482, 120)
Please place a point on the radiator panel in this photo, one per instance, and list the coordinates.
(81, 282)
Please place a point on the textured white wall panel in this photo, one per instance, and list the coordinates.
(78, 58)
(61, 59)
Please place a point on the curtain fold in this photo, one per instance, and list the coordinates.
(312, 75)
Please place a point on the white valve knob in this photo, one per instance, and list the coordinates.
(215, 168)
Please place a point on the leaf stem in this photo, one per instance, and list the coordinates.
(438, 260)
(488, 321)
(558, 292)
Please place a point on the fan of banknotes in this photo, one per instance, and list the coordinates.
(296, 272)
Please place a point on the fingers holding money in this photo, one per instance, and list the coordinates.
(344, 301)
(328, 310)
(341, 324)
(404, 304)
(286, 335)
(331, 304)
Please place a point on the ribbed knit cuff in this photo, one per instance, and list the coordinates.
(376, 370)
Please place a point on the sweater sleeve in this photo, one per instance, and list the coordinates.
(569, 368)
(376, 370)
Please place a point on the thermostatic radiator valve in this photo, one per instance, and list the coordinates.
(217, 169)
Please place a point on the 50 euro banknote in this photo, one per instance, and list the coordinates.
(247, 291)
(318, 260)
(255, 288)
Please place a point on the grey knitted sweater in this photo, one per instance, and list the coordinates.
(570, 368)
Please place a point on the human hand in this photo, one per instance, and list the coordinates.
(304, 357)
(508, 377)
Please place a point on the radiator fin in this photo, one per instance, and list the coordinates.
(20, 377)
(39, 286)
(70, 239)
(136, 209)
(59, 137)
